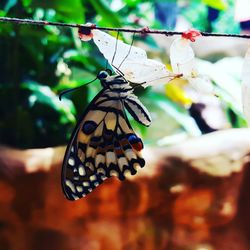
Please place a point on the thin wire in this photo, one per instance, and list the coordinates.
(129, 30)
(128, 52)
(116, 44)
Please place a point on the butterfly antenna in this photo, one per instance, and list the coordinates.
(119, 71)
(73, 89)
(128, 51)
(116, 44)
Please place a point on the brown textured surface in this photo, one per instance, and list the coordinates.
(170, 205)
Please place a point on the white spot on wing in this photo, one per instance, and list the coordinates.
(79, 188)
(114, 173)
(71, 161)
(92, 177)
(127, 173)
(136, 166)
(70, 185)
(81, 170)
(75, 197)
(85, 183)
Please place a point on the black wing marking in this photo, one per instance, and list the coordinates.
(102, 145)
(73, 171)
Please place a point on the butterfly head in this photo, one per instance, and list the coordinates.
(108, 80)
(104, 74)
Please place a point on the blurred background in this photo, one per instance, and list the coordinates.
(182, 202)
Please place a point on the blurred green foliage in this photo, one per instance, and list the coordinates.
(37, 62)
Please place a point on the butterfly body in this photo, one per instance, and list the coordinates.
(103, 143)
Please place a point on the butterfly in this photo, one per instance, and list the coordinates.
(103, 143)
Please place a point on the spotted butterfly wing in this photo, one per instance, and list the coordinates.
(103, 144)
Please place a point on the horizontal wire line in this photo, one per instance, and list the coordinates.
(129, 30)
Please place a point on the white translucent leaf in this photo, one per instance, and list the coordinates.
(241, 12)
(131, 61)
(183, 62)
(246, 86)
(149, 71)
(107, 46)
(225, 73)
(182, 57)
(201, 84)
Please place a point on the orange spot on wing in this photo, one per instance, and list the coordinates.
(108, 147)
(119, 151)
(124, 142)
(138, 146)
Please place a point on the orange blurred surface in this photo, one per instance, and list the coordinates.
(170, 205)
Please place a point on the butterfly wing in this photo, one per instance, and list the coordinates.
(138, 111)
(102, 145)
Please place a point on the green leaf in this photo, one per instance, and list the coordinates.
(196, 14)
(107, 17)
(66, 10)
(2, 13)
(177, 112)
(9, 5)
(232, 108)
(132, 3)
(216, 4)
(44, 95)
(26, 3)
